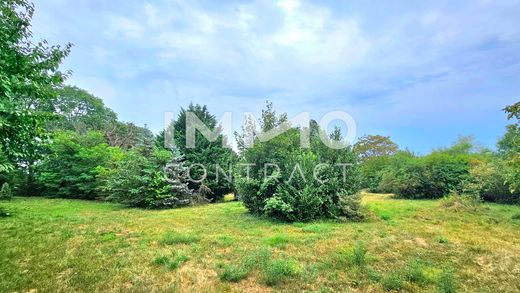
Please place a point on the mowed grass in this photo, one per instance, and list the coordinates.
(56, 245)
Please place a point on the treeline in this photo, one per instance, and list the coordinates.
(90, 154)
(463, 168)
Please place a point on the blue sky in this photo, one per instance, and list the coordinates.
(423, 72)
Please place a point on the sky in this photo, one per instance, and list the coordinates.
(422, 72)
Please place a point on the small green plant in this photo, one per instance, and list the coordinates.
(173, 262)
(4, 213)
(415, 273)
(172, 238)
(279, 241)
(233, 273)
(516, 216)
(446, 282)
(442, 239)
(225, 241)
(392, 281)
(358, 255)
(275, 271)
(5, 191)
(161, 260)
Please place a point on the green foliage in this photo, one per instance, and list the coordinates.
(79, 111)
(488, 181)
(74, 164)
(279, 240)
(446, 282)
(415, 272)
(431, 176)
(357, 256)
(309, 183)
(375, 146)
(233, 273)
(275, 271)
(5, 191)
(392, 281)
(171, 262)
(156, 180)
(29, 78)
(207, 153)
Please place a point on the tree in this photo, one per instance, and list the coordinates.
(80, 111)
(372, 146)
(29, 78)
(215, 158)
(176, 176)
(509, 148)
(513, 111)
(290, 191)
(74, 164)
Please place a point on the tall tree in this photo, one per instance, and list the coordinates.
(29, 78)
(372, 146)
(80, 111)
(215, 158)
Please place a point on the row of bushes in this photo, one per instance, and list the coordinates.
(487, 175)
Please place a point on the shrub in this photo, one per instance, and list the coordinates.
(431, 176)
(156, 180)
(488, 181)
(73, 166)
(5, 191)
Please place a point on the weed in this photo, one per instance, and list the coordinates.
(442, 239)
(173, 262)
(392, 281)
(233, 273)
(358, 255)
(276, 271)
(415, 273)
(279, 241)
(446, 282)
(172, 238)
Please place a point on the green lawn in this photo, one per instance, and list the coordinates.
(56, 245)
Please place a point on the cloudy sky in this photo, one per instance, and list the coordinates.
(422, 72)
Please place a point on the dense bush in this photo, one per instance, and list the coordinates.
(73, 165)
(431, 176)
(155, 180)
(488, 181)
(295, 191)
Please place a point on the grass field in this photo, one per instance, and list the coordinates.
(56, 245)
